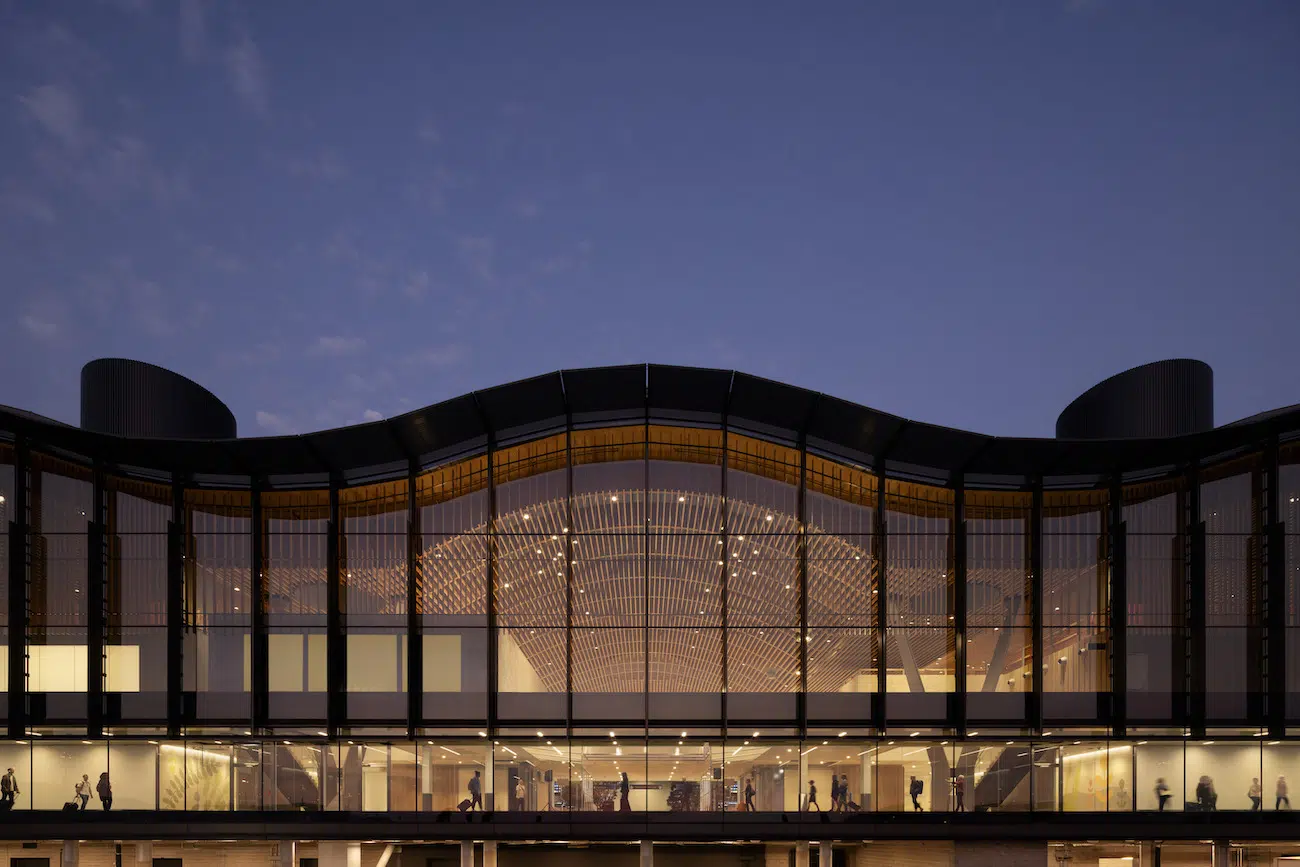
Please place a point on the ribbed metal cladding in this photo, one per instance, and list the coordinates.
(134, 399)
(1162, 399)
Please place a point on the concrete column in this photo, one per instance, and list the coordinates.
(289, 853)
(1146, 854)
(801, 854)
(71, 853)
(647, 854)
(466, 853)
(1222, 854)
(826, 854)
(999, 854)
(488, 803)
(489, 853)
(144, 853)
(776, 855)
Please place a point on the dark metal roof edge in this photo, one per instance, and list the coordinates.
(1111, 454)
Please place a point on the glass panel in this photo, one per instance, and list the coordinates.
(998, 644)
(372, 574)
(533, 776)
(762, 487)
(1221, 776)
(134, 772)
(765, 774)
(920, 648)
(61, 506)
(67, 772)
(138, 516)
(1156, 552)
(1159, 775)
(218, 595)
(296, 581)
(1084, 777)
(609, 480)
(1281, 766)
(452, 772)
(916, 776)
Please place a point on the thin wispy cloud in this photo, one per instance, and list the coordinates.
(40, 326)
(478, 254)
(248, 76)
(192, 30)
(27, 208)
(446, 355)
(322, 166)
(274, 423)
(55, 108)
(338, 346)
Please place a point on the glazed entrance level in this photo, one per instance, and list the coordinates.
(690, 775)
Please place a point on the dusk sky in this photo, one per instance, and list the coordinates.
(964, 213)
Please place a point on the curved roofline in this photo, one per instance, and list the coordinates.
(648, 392)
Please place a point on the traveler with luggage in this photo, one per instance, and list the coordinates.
(8, 790)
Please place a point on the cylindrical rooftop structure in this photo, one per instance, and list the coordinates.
(1161, 399)
(135, 399)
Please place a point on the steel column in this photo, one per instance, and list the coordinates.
(1036, 610)
(492, 646)
(96, 627)
(805, 636)
(1275, 597)
(1196, 620)
(957, 579)
(336, 651)
(881, 593)
(260, 664)
(414, 639)
(19, 614)
(176, 613)
(1117, 621)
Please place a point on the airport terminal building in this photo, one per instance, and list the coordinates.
(649, 614)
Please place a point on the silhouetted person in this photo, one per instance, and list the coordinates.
(1256, 795)
(1282, 797)
(83, 790)
(812, 797)
(915, 788)
(520, 793)
(749, 795)
(835, 793)
(623, 788)
(1205, 795)
(961, 793)
(1162, 793)
(9, 790)
(845, 797)
(475, 792)
(104, 789)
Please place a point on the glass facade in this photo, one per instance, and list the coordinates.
(727, 619)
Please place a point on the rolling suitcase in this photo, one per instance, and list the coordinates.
(464, 805)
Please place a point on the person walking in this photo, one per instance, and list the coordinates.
(104, 789)
(1162, 793)
(961, 793)
(520, 793)
(915, 788)
(749, 795)
(1282, 796)
(83, 790)
(9, 790)
(845, 797)
(835, 793)
(475, 792)
(624, 787)
(812, 797)
(1256, 795)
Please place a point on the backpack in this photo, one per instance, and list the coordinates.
(6, 784)
(919, 785)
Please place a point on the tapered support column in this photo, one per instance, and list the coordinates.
(71, 853)
(466, 853)
(826, 854)
(647, 854)
(490, 853)
(801, 854)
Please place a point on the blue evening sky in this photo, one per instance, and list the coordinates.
(960, 212)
